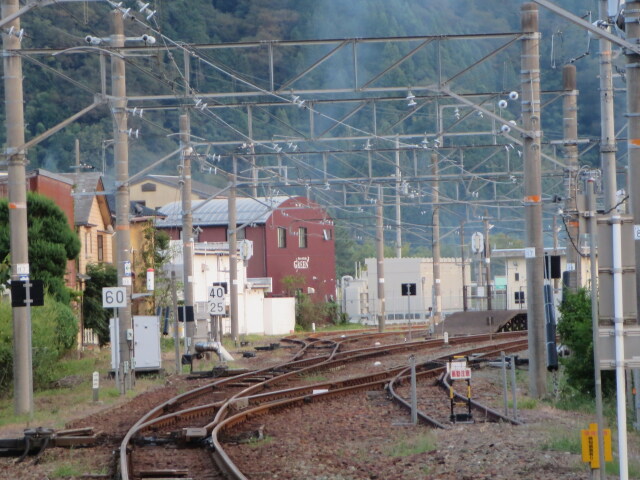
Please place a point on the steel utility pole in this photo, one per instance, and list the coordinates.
(435, 240)
(121, 158)
(14, 108)
(530, 82)
(187, 231)
(380, 259)
(570, 133)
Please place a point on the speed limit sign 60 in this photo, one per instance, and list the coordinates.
(114, 297)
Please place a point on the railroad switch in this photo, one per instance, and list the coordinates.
(194, 434)
(36, 440)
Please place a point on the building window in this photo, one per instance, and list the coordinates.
(326, 234)
(517, 277)
(519, 297)
(148, 187)
(282, 237)
(302, 237)
(100, 248)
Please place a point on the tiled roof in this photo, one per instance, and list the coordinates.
(85, 182)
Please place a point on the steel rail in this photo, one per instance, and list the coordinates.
(432, 368)
(161, 415)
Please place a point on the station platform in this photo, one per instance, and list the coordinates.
(484, 321)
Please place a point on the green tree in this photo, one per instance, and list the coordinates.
(51, 242)
(96, 317)
(576, 333)
(154, 254)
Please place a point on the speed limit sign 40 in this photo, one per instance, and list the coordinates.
(216, 300)
(114, 297)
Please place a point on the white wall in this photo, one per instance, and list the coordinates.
(256, 314)
(419, 271)
(279, 315)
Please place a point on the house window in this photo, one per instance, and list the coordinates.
(517, 277)
(148, 187)
(282, 237)
(100, 248)
(326, 234)
(519, 297)
(302, 237)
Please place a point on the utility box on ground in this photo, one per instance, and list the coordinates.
(146, 343)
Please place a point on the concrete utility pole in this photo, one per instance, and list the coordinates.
(380, 259)
(14, 111)
(632, 16)
(176, 325)
(187, 230)
(570, 132)
(462, 259)
(233, 255)
(608, 147)
(121, 158)
(487, 260)
(530, 83)
(435, 240)
(398, 209)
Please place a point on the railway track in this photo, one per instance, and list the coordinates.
(208, 415)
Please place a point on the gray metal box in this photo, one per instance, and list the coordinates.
(605, 270)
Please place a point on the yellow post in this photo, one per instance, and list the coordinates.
(590, 452)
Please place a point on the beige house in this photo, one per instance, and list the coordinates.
(92, 219)
(155, 191)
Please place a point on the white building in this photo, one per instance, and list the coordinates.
(360, 296)
(256, 313)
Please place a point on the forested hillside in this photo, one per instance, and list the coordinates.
(57, 86)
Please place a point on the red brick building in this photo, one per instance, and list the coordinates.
(58, 188)
(290, 235)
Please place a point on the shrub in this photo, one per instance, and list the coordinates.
(54, 329)
(575, 330)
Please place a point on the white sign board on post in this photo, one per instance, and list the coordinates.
(458, 370)
(216, 300)
(114, 297)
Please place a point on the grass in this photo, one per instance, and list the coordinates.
(613, 468)
(255, 443)
(421, 443)
(525, 403)
(564, 442)
(66, 470)
(49, 402)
